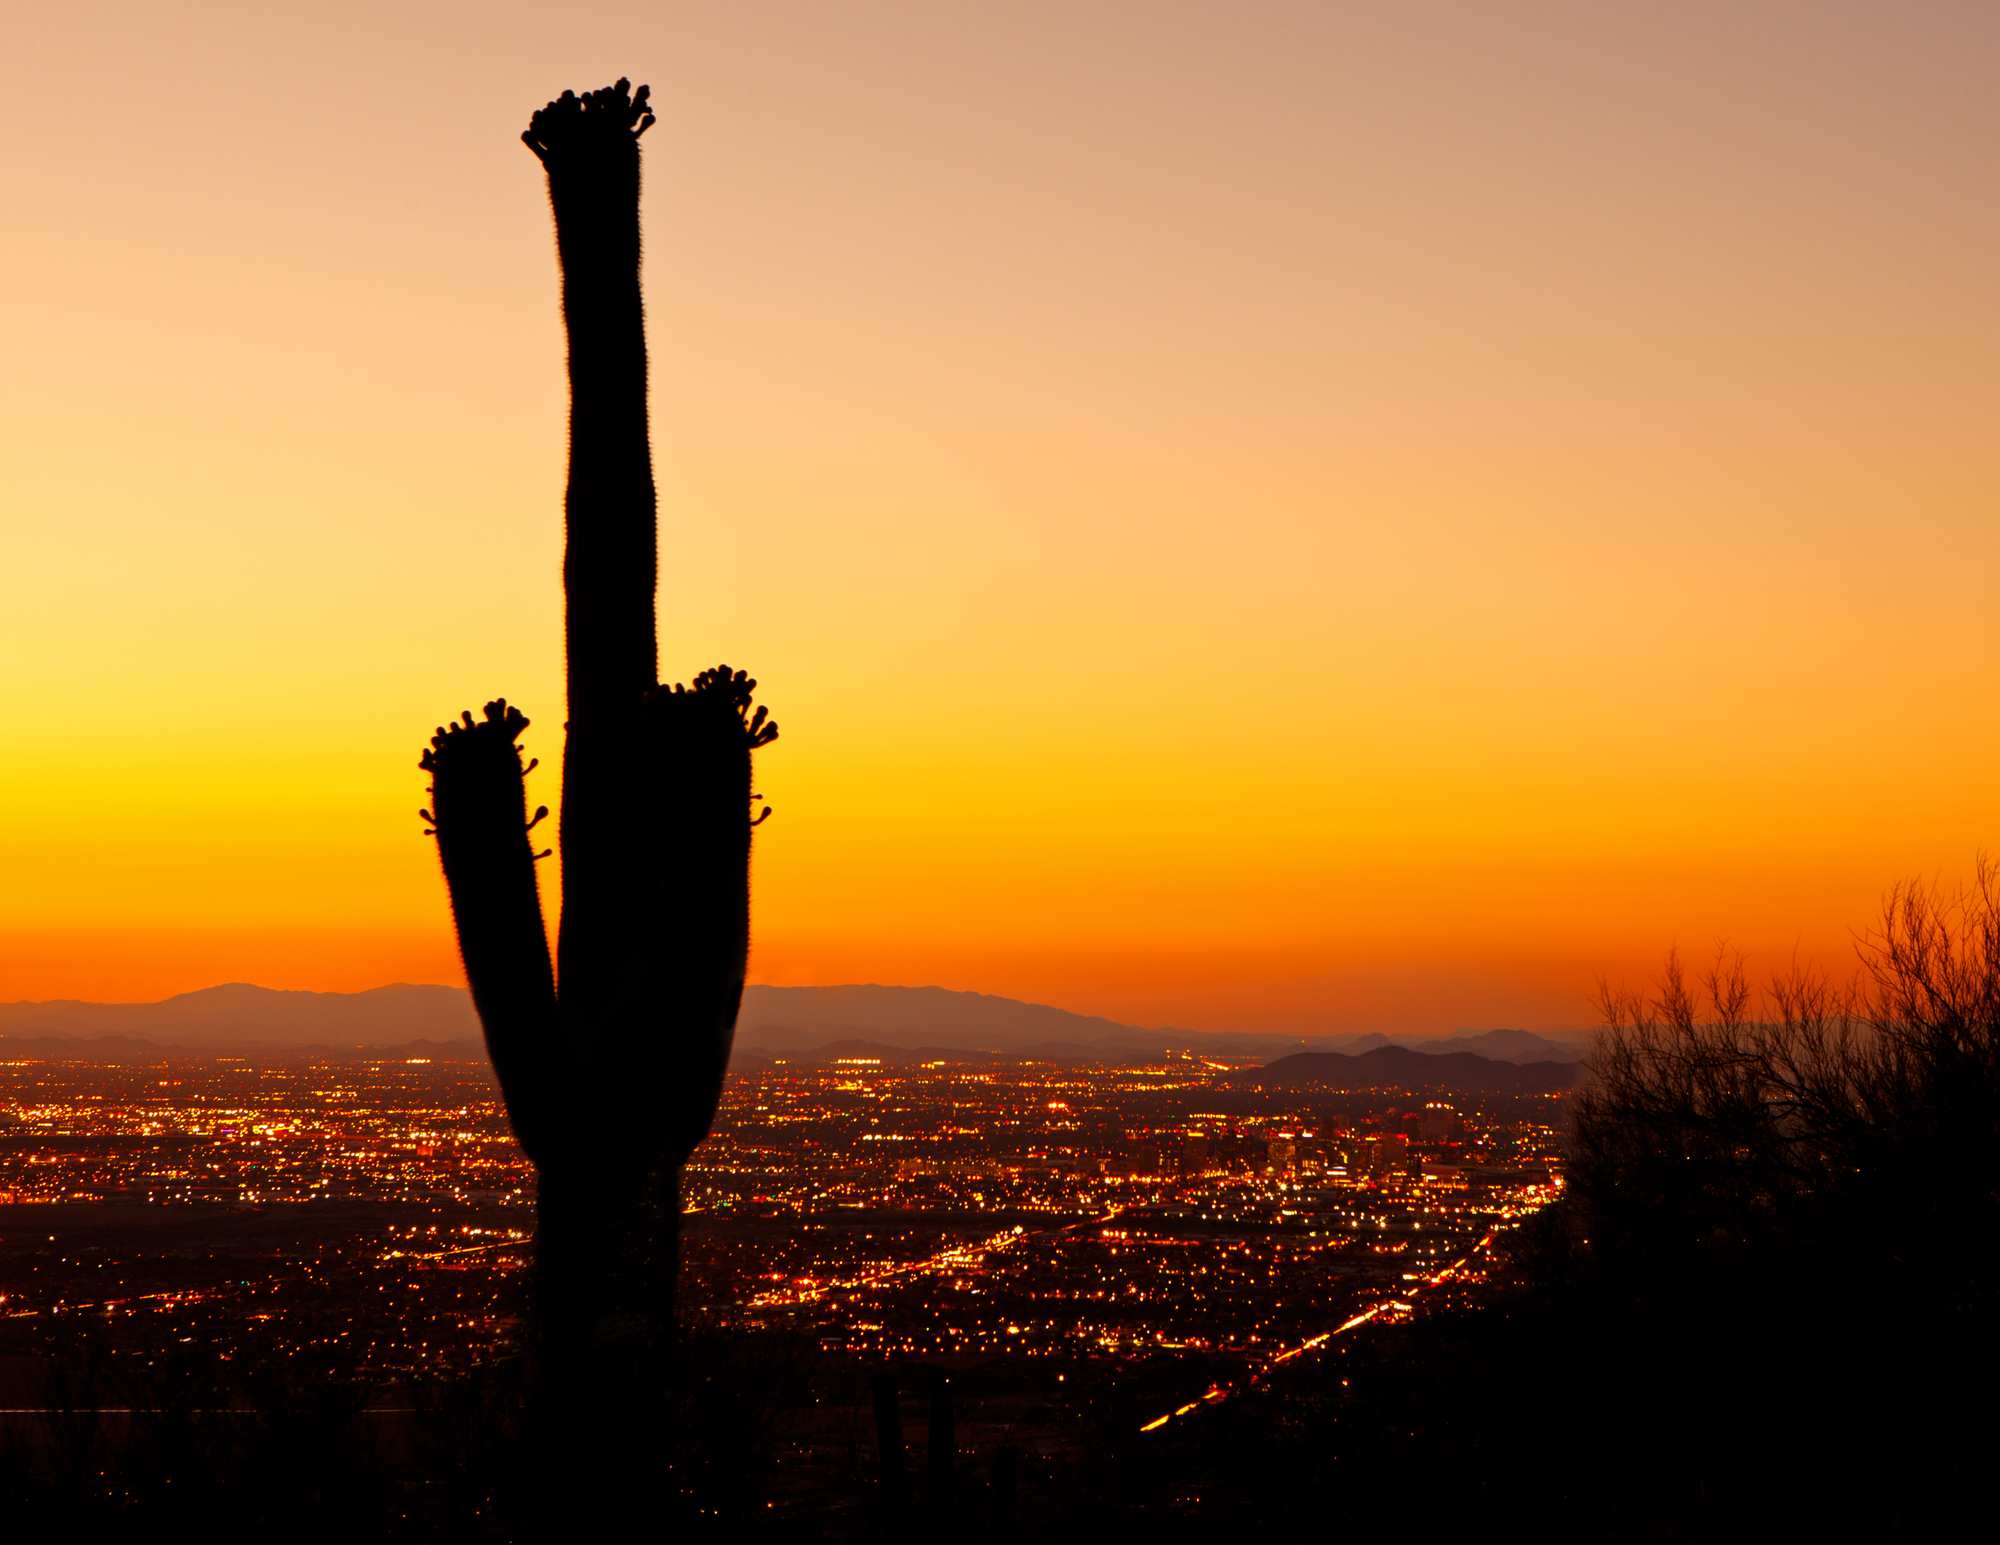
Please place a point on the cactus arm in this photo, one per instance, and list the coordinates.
(696, 745)
(479, 807)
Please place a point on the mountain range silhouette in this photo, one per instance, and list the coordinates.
(776, 1021)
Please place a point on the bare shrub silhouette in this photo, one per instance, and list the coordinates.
(1782, 1212)
(612, 1058)
(1723, 1121)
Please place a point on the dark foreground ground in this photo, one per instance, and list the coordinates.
(357, 1374)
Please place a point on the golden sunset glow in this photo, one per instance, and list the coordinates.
(1306, 517)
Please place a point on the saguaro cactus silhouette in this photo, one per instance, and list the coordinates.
(612, 1062)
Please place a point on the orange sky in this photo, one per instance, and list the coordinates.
(1307, 517)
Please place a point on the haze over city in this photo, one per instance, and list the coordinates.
(1304, 519)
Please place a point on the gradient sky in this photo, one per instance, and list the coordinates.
(1280, 516)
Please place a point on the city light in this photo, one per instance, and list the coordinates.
(884, 1210)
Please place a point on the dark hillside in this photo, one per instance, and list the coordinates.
(1399, 1067)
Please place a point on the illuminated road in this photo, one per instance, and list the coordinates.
(184, 1296)
(1220, 1392)
(959, 1258)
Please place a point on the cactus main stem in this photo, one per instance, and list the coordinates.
(610, 564)
(604, 1256)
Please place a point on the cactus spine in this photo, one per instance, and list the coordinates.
(612, 1061)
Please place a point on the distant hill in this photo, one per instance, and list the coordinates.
(1400, 1067)
(241, 1015)
(123, 1049)
(1500, 1045)
(797, 1018)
